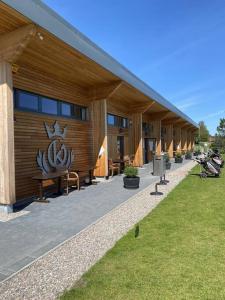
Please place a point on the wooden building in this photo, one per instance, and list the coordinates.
(50, 74)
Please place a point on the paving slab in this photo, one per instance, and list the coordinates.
(57, 270)
(47, 225)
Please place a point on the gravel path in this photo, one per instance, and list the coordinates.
(57, 270)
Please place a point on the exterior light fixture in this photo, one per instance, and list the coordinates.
(40, 36)
(15, 68)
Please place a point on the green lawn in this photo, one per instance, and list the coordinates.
(179, 254)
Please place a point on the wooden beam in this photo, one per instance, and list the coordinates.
(169, 139)
(157, 126)
(7, 161)
(13, 43)
(100, 137)
(189, 133)
(183, 139)
(158, 115)
(185, 125)
(136, 139)
(141, 108)
(170, 121)
(177, 139)
(188, 126)
(105, 91)
(180, 123)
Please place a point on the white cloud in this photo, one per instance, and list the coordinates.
(189, 102)
(215, 114)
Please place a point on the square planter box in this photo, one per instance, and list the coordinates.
(168, 165)
(178, 160)
(131, 182)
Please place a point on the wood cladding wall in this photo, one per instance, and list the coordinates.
(113, 132)
(42, 84)
(30, 135)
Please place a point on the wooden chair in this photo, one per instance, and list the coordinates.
(72, 179)
(127, 161)
(113, 167)
(132, 159)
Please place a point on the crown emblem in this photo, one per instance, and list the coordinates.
(55, 131)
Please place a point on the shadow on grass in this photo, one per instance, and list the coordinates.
(208, 176)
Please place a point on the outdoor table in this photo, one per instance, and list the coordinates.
(44, 177)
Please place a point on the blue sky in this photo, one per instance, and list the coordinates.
(176, 46)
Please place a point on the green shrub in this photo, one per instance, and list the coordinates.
(178, 155)
(131, 171)
(188, 154)
(198, 152)
(166, 157)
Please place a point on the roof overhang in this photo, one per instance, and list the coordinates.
(45, 17)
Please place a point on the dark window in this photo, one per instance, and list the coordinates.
(163, 131)
(117, 121)
(147, 128)
(66, 109)
(27, 101)
(124, 122)
(49, 106)
(80, 112)
(83, 113)
(32, 102)
(111, 120)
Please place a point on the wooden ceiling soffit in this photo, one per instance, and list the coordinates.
(180, 123)
(194, 130)
(189, 129)
(14, 42)
(158, 115)
(170, 121)
(105, 91)
(186, 127)
(141, 108)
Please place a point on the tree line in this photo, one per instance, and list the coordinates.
(219, 139)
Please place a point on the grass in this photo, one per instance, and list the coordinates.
(179, 253)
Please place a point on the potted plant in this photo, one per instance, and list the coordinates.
(188, 155)
(178, 158)
(197, 152)
(131, 180)
(167, 161)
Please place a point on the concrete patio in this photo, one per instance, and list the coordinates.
(28, 237)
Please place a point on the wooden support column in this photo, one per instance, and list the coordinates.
(7, 161)
(178, 139)
(184, 139)
(169, 139)
(100, 138)
(136, 139)
(158, 136)
(189, 140)
(192, 140)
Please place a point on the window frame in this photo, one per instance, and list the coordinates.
(41, 98)
(59, 106)
(114, 119)
(118, 121)
(17, 102)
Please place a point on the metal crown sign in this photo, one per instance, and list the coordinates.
(58, 157)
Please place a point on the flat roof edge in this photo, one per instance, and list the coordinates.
(45, 17)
